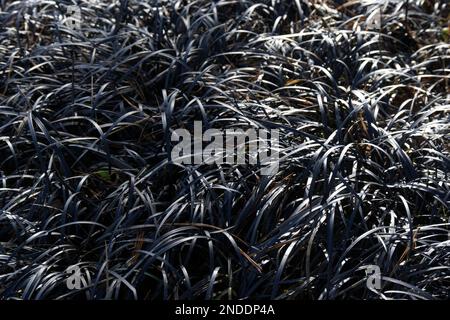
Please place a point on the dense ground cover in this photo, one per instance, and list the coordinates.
(85, 121)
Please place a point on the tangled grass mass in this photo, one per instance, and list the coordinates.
(359, 91)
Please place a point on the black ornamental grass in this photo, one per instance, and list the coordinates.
(85, 121)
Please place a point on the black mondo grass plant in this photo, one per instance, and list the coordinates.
(359, 91)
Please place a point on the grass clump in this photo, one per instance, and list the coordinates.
(86, 115)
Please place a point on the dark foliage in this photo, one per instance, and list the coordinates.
(86, 116)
